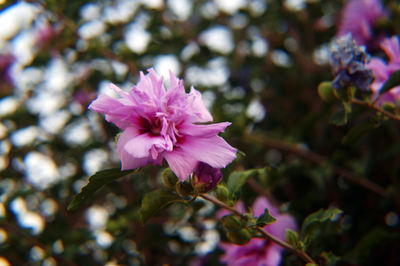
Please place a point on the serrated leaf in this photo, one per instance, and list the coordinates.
(237, 179)
(155, 201)
(96, 181)
(312, 222)
(265, 219)
(356, 132)
(391, 82)
(292, 237)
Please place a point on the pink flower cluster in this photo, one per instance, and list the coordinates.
(383, 70)
(358, 18)
(258, 252)
(162, 124)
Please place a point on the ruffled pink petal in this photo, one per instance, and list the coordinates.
(213, 150)
(120, 92)
(203, 130)
(199, 112)
(151, 85)
(127, 160)
(180, 163)
(176, 84)
(145, 145)
(392, 48)
(115, 111)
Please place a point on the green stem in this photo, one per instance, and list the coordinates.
(304, 256)
(376, 108)
(318, 159)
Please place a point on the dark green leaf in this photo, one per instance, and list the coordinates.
(347, 107)
(265, 218)
(237, 179)
(292, 237)
(330, 258)
(392, 81)
(96, 181)
(312, 222)
(155, 201)
(377, 237)
(356, 132)
(339, 118)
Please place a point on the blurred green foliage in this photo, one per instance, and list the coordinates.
(293, 154)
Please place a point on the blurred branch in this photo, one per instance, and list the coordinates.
(304, 256)
(376, 108)
(318, 159)
(12, 228)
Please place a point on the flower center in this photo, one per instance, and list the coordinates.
(152, 127)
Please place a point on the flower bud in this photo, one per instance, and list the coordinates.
(206, 178)
(222, 193)
(184, 189)
(240, 237)
(231, 222)
(325, 91)
(169, 178)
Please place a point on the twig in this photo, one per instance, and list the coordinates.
(304, 256)
(318, 159)
(376, 108)
(12, 228)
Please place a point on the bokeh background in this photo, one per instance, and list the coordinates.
(258, 64)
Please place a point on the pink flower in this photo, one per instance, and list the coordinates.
(258, 251)
(163, 124)
(358, 18)
(383, 70)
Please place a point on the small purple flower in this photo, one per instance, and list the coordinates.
(162, 124)
(383, 70)
(348, 64)
(206, 177)
(258, 251)
(358, 18)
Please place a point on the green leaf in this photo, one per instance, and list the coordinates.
(339, 118)
(347, 107)
(265, 218)
(155, 201)
(314, 220)
(391, 82)
(96, 181)
(237, 179)
(292, 237)
(330, 258)
(356, 132)
(379, 237)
